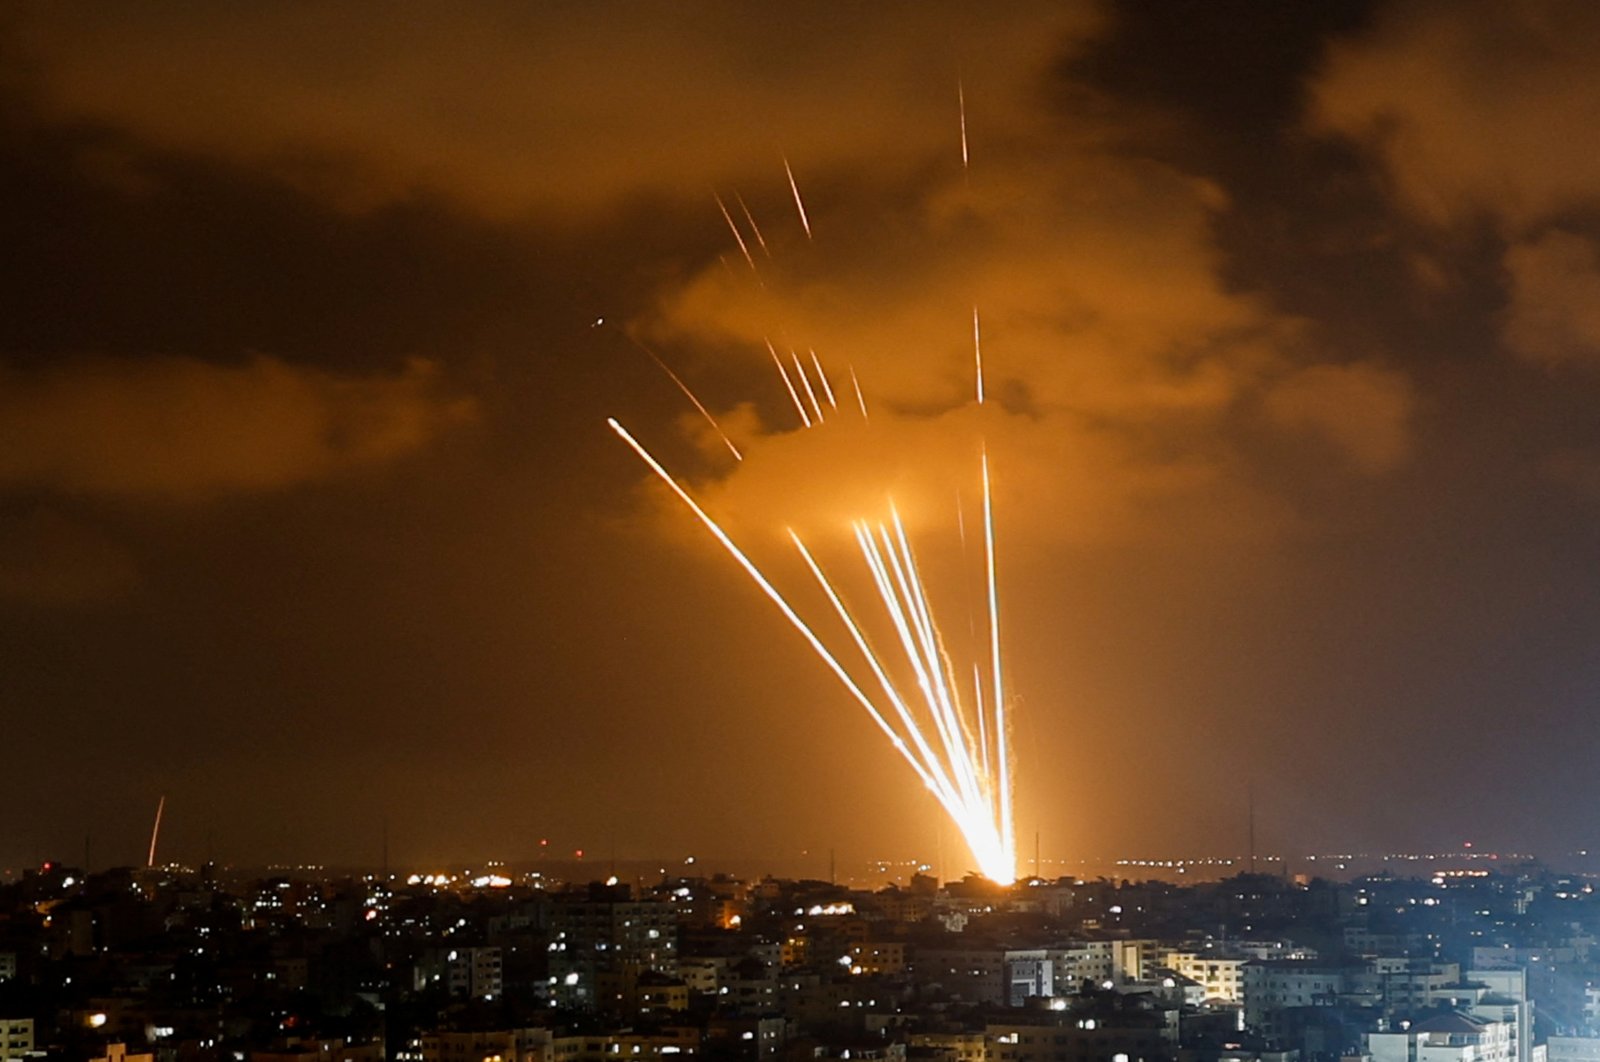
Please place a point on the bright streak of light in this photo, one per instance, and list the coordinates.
(958, 748)
(772, 594)
(155, 831)
(977, 353)
(827, 388)
(944, 741)
(690, 395)
(920, 646)
(799, 406)
(889, 594)
(860, 399)
(1001, 750)
(929, 769)
(970, 792)
(744, 248)
(961, 101)
(799, 205)
(937, 664)
(811, 395)
(754, 228)
(983, 725)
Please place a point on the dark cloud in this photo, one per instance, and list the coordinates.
(1478, 110)
(1475, 114)
(1554, 313)
(551, 109)
(178, 429)
(51, 559)
(311, 518)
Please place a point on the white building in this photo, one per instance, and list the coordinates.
(1517, 1014)
(1274, 985)
(1451, 1037)
(1404, 986)
(1094, 961)
(1573, 1049)
(1028, 974)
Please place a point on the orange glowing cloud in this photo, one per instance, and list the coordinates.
(1362, 409)
(541, 109)
(1116, 358)
(179, 428)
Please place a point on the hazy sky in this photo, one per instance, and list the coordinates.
(310, 518)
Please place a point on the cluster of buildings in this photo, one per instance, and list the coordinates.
(172, 965)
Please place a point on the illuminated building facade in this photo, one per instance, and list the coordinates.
(506, 1045)
(1219, 976)
(16, 1038)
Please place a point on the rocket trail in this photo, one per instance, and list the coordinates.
(953, 733)
(155, 831)
(941, 783)
(799, 407)
(978, 355)
(773, 595)
(690, 395)
(957, 751)
(827, 388)
(916, 637)
(961, 102)
(1007, 828)
(983, 725)
(754, 228)
(805, 222)
(738, 237)
(811, 395)
(860, 399)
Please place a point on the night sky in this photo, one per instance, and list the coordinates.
(310, 519)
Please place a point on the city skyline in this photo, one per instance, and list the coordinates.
(312, 525)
